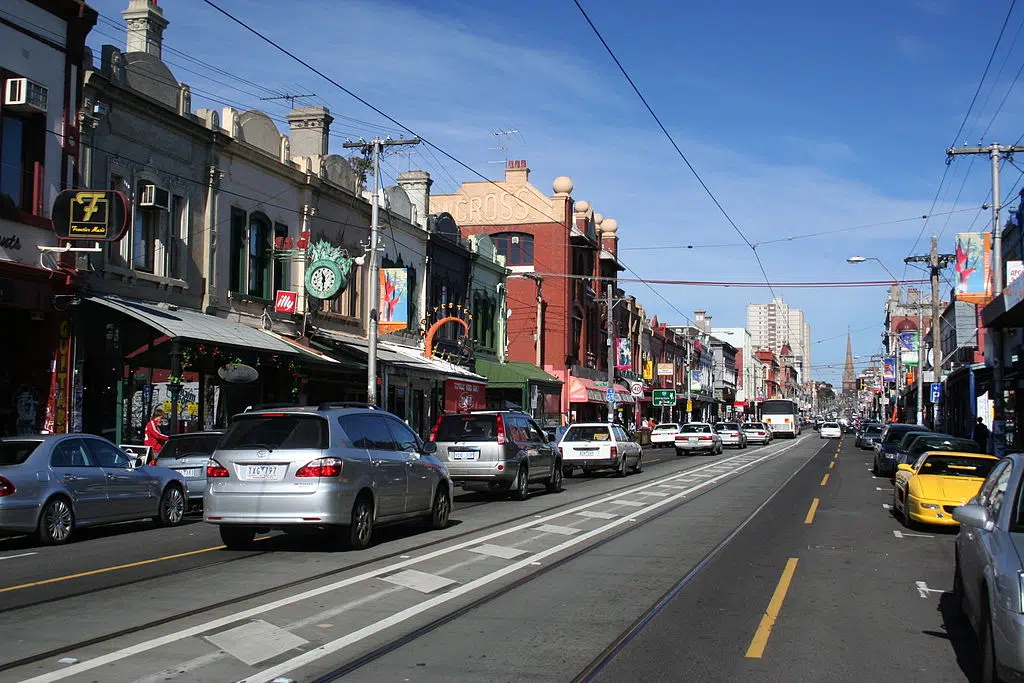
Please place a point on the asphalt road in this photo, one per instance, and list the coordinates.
(664, 576)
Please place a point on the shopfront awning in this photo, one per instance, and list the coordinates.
(190, 325)
(582, 390)
(400, 357)
(514, 374)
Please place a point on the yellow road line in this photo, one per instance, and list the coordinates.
(764, 629)
(832, 464)
(810, 513)
(824, 480)
(94, 572)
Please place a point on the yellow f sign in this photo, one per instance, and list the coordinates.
(90, 202)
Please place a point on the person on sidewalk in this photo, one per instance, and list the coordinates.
(981, 435)
(155, 438)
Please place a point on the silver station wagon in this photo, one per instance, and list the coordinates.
(342, 467)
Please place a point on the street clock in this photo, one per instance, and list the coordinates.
(328, 272)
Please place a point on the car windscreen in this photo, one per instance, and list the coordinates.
(957, 466)
(273, 431)
(696, 429)
(895, 434)
(583, 433)
(186, 446)
(666, 427)
(16, 452)
(931, 443)
(872, 429)
(467, 428)
(753, 425)
(830, 425)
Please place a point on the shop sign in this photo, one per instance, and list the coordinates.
(286, 301)
(90, 215)
(1014, 269)
(665, 370)
(648, 369)
(57, 406)
(238, 373)
(461, 396)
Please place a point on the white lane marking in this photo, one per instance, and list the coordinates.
(67, 660)
(887, 506)
(879, 488)
(560, 530)
(630, 503)
(597, 515)
(923, 590)
(317, 653)
(11, 557)
(903, 534)
(418, 581)
(256, 641)
(504, 552)
(655, 494)
(199, 629)
(670, 486)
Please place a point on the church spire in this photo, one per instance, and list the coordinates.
(849, 375)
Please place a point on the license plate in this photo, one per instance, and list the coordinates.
(693, 439)
(193, 473)
(262, 472)
(463, 455)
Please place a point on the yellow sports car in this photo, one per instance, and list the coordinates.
(939, 481)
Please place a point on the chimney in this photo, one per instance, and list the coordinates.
(417, 185)
(308, 130)
(146, 26)
(516, 172)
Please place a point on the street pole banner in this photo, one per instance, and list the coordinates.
(623, 353)
(908, 348)
(889, 369)
(973, 266)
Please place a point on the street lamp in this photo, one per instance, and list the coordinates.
(920, 338)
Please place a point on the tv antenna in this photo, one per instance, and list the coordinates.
(291, 98)
(503, 149)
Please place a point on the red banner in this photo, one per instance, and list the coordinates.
(56, 420)
(461, 396)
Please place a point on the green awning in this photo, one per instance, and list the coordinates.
(513, 374)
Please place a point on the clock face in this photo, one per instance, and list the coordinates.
(322, 279)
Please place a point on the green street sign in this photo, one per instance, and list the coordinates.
(663, 398)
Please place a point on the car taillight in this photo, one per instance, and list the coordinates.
(501, 430)
(760, 433)
(215, 470)
(615, 451)
(321, 467)
(433, 431)
(6, 487)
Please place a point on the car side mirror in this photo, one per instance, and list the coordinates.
(974, 515)
(903, 467)
(429, 448)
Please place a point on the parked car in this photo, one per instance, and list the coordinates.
(885, 447)
(988, 568)
(831, 430)
(903, 447)
(341, 467)
(497, 452)
(732, 434)
(928, 490)
(930, 441)
(698, 437)
(664, 434)
(868, 435)
(52, 485)
(188, 454)
(595, 446)
(757, 432)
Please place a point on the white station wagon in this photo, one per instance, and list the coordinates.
(599, 446)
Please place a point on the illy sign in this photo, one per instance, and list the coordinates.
(286, 301)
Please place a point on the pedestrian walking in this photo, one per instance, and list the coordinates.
(155, 438)
(981, 434)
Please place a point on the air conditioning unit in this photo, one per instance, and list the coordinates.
(21, 94)
(154, 197)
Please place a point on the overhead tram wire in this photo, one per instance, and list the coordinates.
(405, 128)
(963, 123)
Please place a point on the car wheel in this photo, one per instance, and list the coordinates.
(907, 522)
(442, 509)
(874, 467)
(679, 452)
(57, 522)
(522, 489)
(360, 528)
(621, 471)
(989, 663)
(568, 471)
(172, 507)
(237, 537)
(554, 483)
(639, 466)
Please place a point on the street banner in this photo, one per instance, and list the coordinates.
(394, 300)
(648, 369)
(908, 348)
(973, 266)
(623, 353)
(889, 369)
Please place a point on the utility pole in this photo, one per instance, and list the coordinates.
(995, 152)
(611, 350)
(936, 264)
(374, 147)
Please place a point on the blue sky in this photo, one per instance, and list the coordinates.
(801, 116)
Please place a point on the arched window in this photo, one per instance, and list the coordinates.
(516, 247)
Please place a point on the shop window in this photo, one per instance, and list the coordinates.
(145, 231)
(177, 243)
(516, 247)
(280, 265)
(115, 254)
(22, 154)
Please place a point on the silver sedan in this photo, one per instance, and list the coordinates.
(988, 578)
(51, 485)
